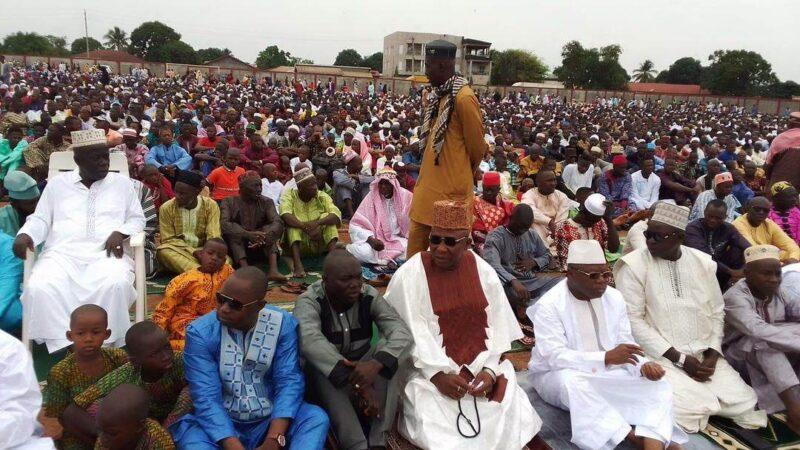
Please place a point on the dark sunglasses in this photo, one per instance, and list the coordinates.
(594, 276)
(657, 237)
(448, 241)
(233, 304)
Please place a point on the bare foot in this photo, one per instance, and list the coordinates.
(276, 277)
(299, 272)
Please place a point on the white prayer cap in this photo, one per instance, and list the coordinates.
(673, 215)
(695, 139)
(87, 138)
(583, 251)
(594, 136)
(386, 125)
(758, 252)
(295, 128)
(594, 204)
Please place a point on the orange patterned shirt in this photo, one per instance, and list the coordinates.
(189, 296)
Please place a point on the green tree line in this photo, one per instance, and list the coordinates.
(727, 72)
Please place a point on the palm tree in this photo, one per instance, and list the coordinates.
(646, 73)
(116, 39)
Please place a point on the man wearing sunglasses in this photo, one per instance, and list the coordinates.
(586, 361)
(241, 363)
(677, 313)
(454, 304)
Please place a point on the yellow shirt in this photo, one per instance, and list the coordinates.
(768, 233)
(462, 151)
(528, 167)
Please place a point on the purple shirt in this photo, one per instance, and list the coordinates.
(789, 222)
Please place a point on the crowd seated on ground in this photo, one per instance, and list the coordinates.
(237, 184)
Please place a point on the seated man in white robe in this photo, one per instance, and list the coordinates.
(762, 338)
(458, 394)
(645, 186)
(20, 399)
(585, 360)
(550, 207)
(84, 218)
(379, 228)
(677, 315)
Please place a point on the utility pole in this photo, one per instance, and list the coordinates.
(86, 33)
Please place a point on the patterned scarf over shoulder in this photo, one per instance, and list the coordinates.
(447, 90)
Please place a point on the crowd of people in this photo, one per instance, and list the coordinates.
(577, 230)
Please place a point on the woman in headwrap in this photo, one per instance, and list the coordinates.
(379, 228)
(358, 145)
(784, 209)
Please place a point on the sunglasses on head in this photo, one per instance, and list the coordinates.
(448, 241)
(657, 237)
(596, 275)
(233, 304)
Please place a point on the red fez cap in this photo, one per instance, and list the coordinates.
(618, 160)
(491, 179)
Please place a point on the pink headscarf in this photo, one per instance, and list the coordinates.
(366, 157)
(372, 215)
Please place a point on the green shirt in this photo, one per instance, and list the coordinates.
(189, 220)
(9, 220)
(164, 392)
(318, 207)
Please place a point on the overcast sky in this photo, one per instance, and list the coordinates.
(662, 30)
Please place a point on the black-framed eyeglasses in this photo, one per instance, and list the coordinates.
(596, 275)
(657, 237)
(448, 241)
(233, 304)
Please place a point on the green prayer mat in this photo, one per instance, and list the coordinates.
(43, 361)
(776, 435)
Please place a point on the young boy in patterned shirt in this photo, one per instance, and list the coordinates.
(124, 425)
(193, 294)
(88, 362)
(153, 366)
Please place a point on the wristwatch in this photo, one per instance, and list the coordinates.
(680, 361)
(279, 438)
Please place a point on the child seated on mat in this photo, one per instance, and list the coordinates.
(193, 293)
(123, 423)
(153, 365)
(88, 362)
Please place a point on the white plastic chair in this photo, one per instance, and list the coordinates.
(65, 162)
